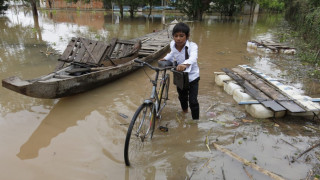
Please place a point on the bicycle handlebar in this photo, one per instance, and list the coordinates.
(152, 67)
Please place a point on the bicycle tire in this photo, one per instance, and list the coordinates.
(164, 91)
(140, 131)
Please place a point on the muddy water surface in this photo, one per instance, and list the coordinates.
(82, 137)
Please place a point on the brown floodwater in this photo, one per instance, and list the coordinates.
(82, 137)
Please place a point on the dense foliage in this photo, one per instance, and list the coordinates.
(3, 6)
(194, 9)
(227, 7)
(272, 5)
(304, 16)
(134, 4)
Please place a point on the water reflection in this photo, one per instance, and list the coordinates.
(67, 112)
(56, 122)
(83, 136)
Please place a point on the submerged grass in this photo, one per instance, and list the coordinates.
(306, 53)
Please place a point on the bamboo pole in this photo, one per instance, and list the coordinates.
(247, 163)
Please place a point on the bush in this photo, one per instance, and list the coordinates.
(3, 6)
(304, 16)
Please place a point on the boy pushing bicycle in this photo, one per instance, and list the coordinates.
(185, 54)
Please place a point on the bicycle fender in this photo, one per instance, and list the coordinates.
(147, 101)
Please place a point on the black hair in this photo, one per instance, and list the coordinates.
(181, 27)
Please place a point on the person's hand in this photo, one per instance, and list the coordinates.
(181, 67)
(162, 59)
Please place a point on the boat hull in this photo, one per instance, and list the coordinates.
(57, 88)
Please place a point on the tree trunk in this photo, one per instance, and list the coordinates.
(131, 12)
(199, 14)
(121, 8)
(37, 28)
(50, 4)
(34, 7)
(150, 9)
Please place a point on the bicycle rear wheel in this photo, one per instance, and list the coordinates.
(164, 92)
(140, 132)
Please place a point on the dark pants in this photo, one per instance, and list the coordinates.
(190, 94)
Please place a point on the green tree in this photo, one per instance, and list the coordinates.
(151, 4)
(107, 4)
(33, 7)
(194, 9)
(304, 17)
(120, 4)
(314, 3)
(272, 5)
(134, 4)
(228, 7)
(33, 4)
(3, 6)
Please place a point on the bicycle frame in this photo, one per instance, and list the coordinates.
(154, 95)
(143, 121)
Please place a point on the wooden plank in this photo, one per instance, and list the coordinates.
(302, 101)
(113, 44)
(274, 105)
(81, 53)
(269, 91)
(248, 163)
(89, 45)
(257, 102)
(142, 54)
(119, 50)
(75, 50)
(67, 52)
(59, 66)
(272, 45)
(125, 50)
(254, 92)
(150, 48)
(98, 51)
(126, 42)
(146, 51)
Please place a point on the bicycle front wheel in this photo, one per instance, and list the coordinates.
(139, 133)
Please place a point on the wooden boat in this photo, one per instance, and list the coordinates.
(87, 64)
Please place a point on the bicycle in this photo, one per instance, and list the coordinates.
(142, 124)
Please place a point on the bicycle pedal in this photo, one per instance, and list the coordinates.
(163, 129)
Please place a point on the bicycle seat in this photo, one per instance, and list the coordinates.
(162, 64)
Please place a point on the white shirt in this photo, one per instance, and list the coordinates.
(175, 55)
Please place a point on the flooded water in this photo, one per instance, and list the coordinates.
(82, 137)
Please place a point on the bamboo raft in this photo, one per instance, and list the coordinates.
(264, 96)
(271, 47)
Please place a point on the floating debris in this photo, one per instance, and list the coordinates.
(309, 149)
(211, 114)
(209, 108)
(247, 121)
(123, 115)
(248, 174)
(163, 129)
(178, 117)
(207, 140)
(247, 163)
